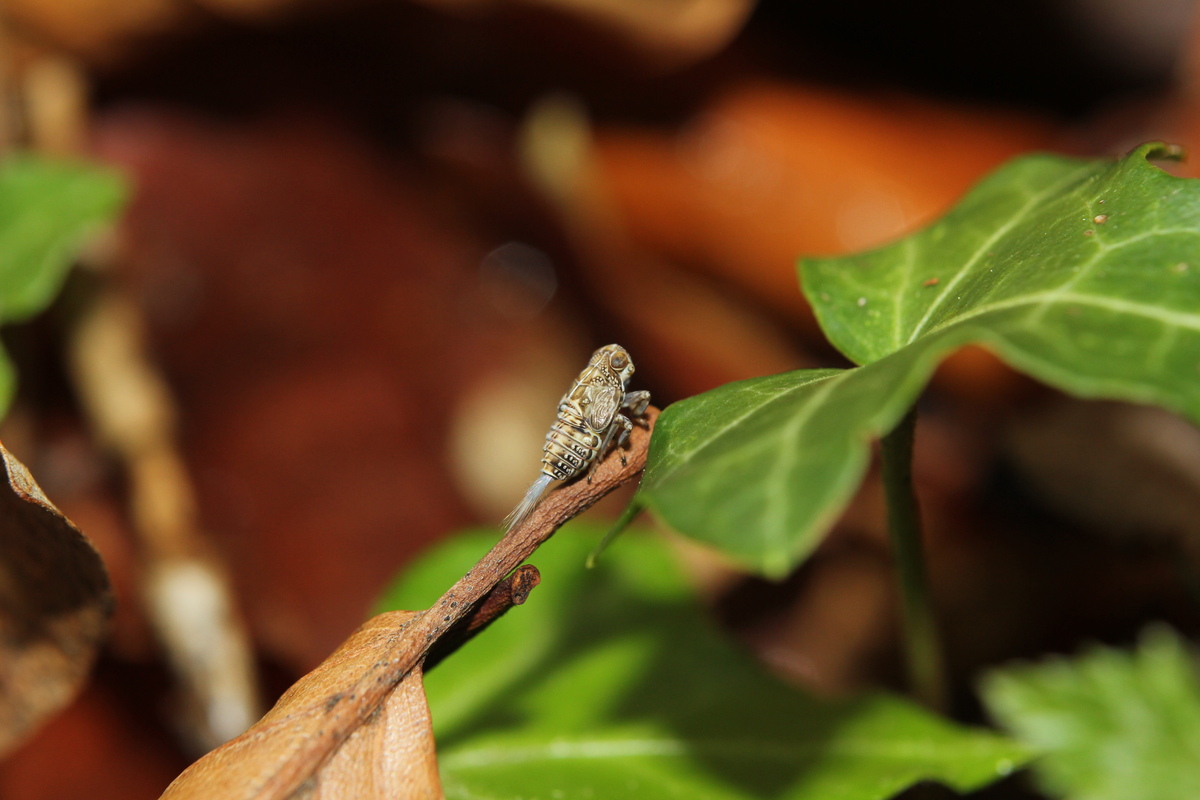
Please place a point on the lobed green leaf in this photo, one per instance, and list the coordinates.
(1085, 274)
(612, 683)
(1110, 724)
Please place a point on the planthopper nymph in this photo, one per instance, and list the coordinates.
(588, 416)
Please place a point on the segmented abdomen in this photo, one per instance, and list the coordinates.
(570, 445)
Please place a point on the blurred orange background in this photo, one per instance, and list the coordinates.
(372, 242)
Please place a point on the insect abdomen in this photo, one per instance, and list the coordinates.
(570, 446)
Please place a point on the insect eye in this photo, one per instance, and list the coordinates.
(619, 360)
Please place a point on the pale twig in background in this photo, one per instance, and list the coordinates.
(187, 592)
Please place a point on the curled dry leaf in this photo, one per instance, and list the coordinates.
(98, 30)
(675, 33)
(54, 605)
(768, 171)
(668, 35)
(357, 726)
(114, 31)
(388, 753)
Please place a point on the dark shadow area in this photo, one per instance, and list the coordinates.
(380, 64)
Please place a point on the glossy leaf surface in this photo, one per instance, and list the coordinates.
(1085, 274)
(611, 683)
(1110, 724)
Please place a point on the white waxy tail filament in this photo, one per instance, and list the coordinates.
(528, 502)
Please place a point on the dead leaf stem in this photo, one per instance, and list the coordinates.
(281, 756)
(512, 591)
(561, 505)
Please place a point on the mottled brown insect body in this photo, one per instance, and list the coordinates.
(588, 416)
(570, 446)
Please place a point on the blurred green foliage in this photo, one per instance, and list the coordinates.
(47, 210)
(613, 683)
(1110, 724)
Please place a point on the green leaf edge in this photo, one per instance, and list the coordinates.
(970, 333)
(109, 192)
(922, 355)
(642, 569)
(1006, 690)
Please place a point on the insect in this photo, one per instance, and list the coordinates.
(588, 416)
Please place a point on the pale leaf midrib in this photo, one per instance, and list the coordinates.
(785, 752)
(775, 511)
(1038, 300)
(989, 243)
(681, 460)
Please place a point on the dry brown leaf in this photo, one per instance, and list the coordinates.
(55, 602)
(96, 29)
(390, 753)
(770, 171)
(262, 10)
(110, 31)
(357, 726)
(672, 34)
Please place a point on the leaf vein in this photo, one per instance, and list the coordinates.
(681, 459)
(965, 270)
(1039, 300)
(775, 514)
(748, 749)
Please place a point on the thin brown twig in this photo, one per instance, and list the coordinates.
(512, 591)
(412, 643)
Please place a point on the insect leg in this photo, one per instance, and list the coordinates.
(599, 456)
(636, 402)
(626, 429)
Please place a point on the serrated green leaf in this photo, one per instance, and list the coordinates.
(46, 210)
(611, 683)
(1111, 724)
(1086, 274)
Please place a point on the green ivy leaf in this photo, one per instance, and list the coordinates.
(1085, 274)
(611, 683)
(1111, 724)
(47, 208)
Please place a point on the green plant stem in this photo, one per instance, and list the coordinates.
(618, 527)
(923, 650)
